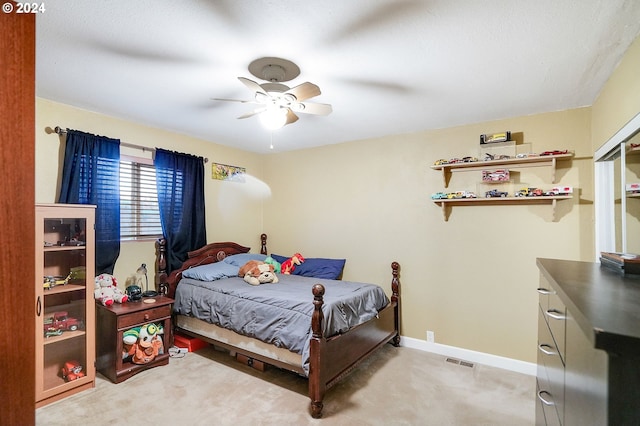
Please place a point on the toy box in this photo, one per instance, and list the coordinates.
(191, 343)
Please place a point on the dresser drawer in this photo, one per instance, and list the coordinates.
(556, 317)
(551, 371)
(142, 317)
(544, 291)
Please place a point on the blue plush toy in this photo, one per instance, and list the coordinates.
(276, 265)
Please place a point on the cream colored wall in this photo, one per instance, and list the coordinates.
(617, 103)
(619, 100)
(233, 210)
(472, 279)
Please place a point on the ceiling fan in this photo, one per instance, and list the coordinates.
(278, 102)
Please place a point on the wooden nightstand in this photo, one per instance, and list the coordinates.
(113, 321)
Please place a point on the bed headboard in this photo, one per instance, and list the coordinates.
(211, 253)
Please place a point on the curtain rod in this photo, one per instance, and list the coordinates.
(59, 130)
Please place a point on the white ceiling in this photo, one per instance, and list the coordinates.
(386, 66)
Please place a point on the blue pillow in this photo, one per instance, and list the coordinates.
(212, 271)
(317, 267)
(242, 258)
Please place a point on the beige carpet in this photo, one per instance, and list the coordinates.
(396, 386)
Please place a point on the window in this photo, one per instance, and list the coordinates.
(139, 213)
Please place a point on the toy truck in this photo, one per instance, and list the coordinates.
(60, 321)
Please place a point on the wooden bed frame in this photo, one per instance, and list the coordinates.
(331, 358)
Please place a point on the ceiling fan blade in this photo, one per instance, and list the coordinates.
(291, 117)
(252, 113)
(253, 86)
(304, 91)
(234, 100)
(312, 108)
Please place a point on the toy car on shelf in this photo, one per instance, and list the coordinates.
(72, 370)
(464, 194)
(555, 152)
(495, 193)
(491, 157)
(633, 188)
(560, 190)
(439, 196)
(527, 155)
(500, 175)
(440, 162)
(529, 192)
(469, 159)
(60, 321)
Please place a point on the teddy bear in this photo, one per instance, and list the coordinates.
(289, 265)
(143, 344)
(106, 290)
(256, 272)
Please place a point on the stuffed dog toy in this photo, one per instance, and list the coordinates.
(256, 272)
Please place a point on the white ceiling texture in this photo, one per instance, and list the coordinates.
(386, 66)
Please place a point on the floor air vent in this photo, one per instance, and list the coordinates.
(460, 362)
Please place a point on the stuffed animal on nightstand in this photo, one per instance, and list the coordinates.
(106, 290)
(289, 265)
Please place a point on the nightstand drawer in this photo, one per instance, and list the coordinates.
(142, 317)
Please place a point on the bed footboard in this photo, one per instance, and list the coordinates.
(333, 358)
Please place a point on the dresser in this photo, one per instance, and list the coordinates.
(588, 345)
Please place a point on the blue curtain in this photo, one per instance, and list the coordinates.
(180, 183)
(91, 175)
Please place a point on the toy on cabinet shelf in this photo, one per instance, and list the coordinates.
(72, 370)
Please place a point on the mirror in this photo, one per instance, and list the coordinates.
(616, 211)
(632, 192)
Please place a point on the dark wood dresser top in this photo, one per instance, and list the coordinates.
(604, 303)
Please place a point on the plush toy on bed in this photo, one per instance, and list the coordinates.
(276, 265)
(256, 272)
(106, 290)
(289, 265)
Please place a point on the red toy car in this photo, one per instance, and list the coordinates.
(72, 370)
(556, 152)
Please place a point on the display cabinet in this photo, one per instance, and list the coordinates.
(64, 304)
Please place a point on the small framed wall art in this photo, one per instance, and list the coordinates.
(227, 172)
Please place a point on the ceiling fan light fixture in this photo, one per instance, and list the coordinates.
(274, 118)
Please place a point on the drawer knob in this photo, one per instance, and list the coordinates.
(546, 349)
(146, 317)
(546, 401)
(543, 290)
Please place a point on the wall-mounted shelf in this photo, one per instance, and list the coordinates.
(448, 203)
(511, 163)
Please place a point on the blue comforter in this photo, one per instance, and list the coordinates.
(279, 314)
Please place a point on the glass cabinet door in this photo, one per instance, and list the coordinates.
(65, 307)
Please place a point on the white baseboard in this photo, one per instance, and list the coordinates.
(472, 356)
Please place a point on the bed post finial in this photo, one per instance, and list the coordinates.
(161, 266)
(263, 244)
(317, 317)
(395, 298)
